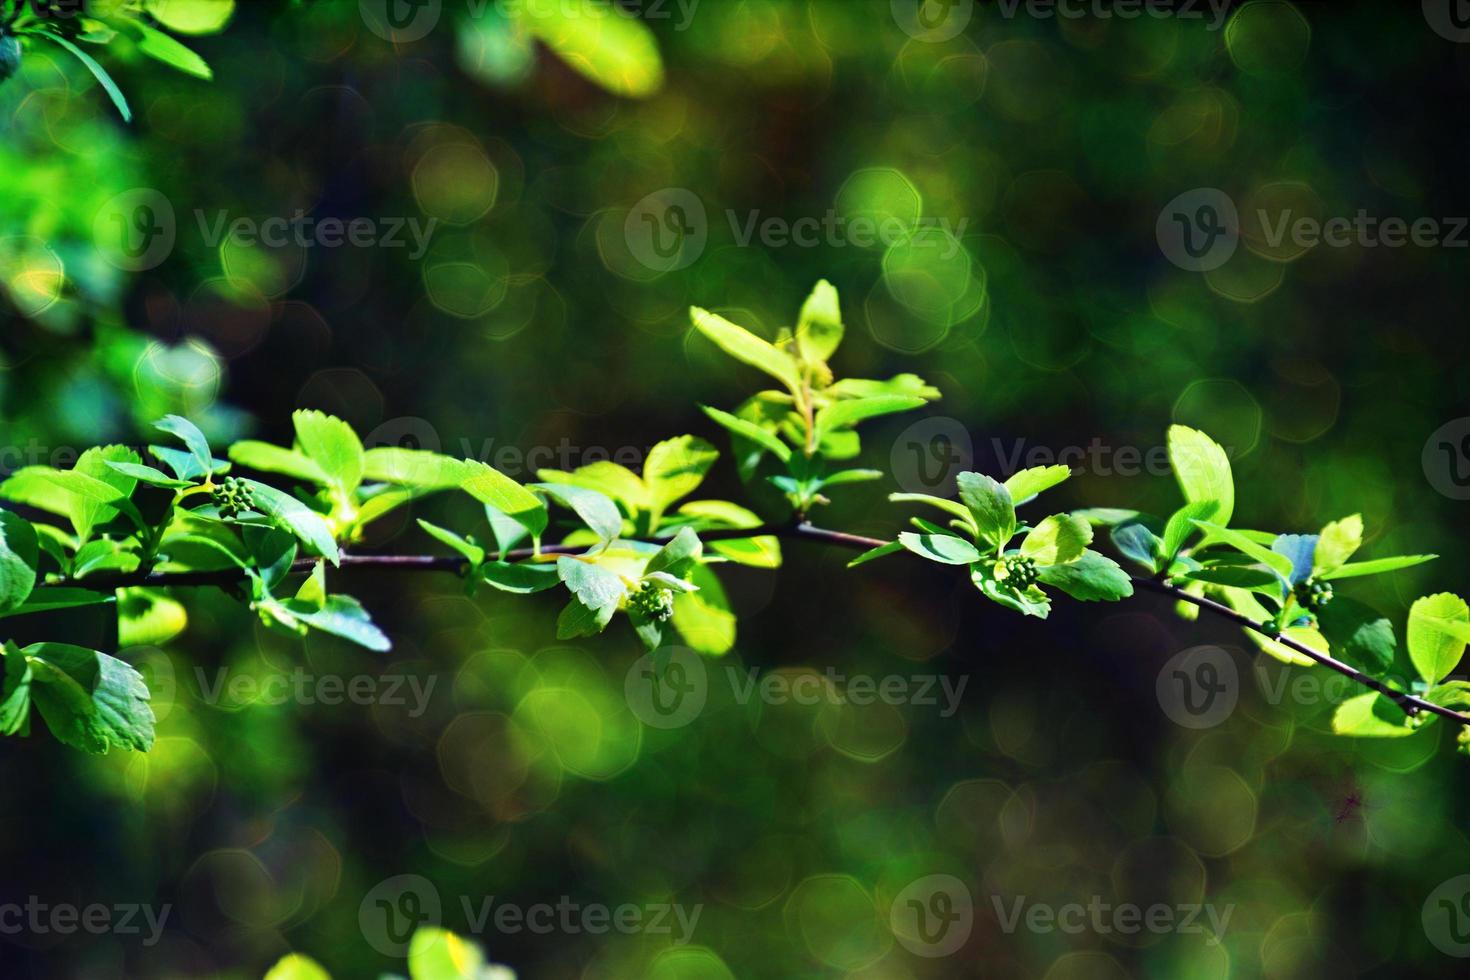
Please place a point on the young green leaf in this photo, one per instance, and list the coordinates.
(1090, 578)
(522, 578)
(414, 468)
(1439, 626)
(332, 445)
(849, 412)
(495, 489)
(882, 551)
(89, 700)
(1057, 540)
(15, 691)
(1357, 569)
(1243, 542)
(749, 430)
(1371, 715)
(344, 616)
(1181, 526)
(675, 468)
(819, 329)
(1027, 483)
(297, 967)
(1337, 543)
(19, 555)
(292, 515)
(595, 509)
(943, 548)
(1203, 470)
(98, 72)
(677, 556)
(472, 552)
(990, 506)
(163, 48)
(745, 346)
(188, 433)
(267, 458)
(1301, 550)
(703, 618)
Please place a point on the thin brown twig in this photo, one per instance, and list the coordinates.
(1411, 704)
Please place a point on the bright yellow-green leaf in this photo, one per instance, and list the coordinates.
(1203, 470)
(1437, 634)
(192, 16)
(819, 330)
(1337, 542)
(615, 51)
(1057, 540)
(745, 346)
(297, 967)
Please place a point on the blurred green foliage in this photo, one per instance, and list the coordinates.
(1024, 162)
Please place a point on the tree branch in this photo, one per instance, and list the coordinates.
(1409, 703)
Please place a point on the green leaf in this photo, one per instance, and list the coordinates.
(1371, 715)
(1057, 540)
(943, 548)
(1091, 578)
(148, 617)
(1238, 577)
(882, 551)
(901, 384)
(15, 691)
(472, 552)
(495, 489)
(1138, 543)
(1181, 526)
(1337, 543)
(745, 346)
(953, 507)
(1358, 569)
(761, 552)
(50, 598)
(415, 468)
(675, 468)
(332, 445)
(188, 433)
(1027, 483)
(89, 700)
(98, 72)
(19, 556)
(147, 474)
(163, 48)
(1359, 634)
(267, 458)
(677, 556)
(845, 477)
(1438, 625)
(990, 506)
(849, 412)
(595, 509)
(605, 476)
(1242, 542)
(749, 430)
(344, 616)
(612, 49)
(704, 618)
(1203, 470)
(184, 465)
(819, 330)
(599, 589)
(292, 515)
(438, 954)
(192, 16)
(522, 579)
(297, 967)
